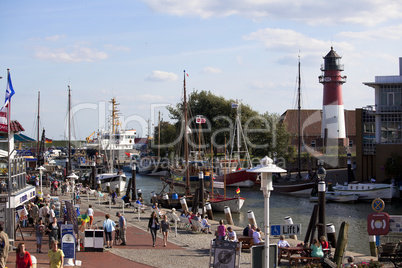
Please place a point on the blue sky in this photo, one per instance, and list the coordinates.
(136, 51)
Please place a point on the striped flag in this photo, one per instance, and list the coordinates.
(238, 190)
(5, 109)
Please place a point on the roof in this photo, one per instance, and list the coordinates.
(311, 122)
(19, 137)
(15, 126)
(332, 54)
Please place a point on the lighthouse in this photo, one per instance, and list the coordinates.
(333, 116)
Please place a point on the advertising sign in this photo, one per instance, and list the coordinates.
(68, 240)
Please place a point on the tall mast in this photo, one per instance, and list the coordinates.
(238, 132)
(69, 130)
(299, 125)
(185, 137)
(38, 125)
(159, 136)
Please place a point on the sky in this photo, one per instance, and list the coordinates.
(136, 51)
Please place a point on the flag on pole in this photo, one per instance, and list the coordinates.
(189, 130)
(200, 120)
(238, 190)
(5, 109)
(235, 105)
(48, 140)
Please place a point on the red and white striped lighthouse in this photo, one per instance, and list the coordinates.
(333, 116)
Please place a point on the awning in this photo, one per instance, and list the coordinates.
(20, 138)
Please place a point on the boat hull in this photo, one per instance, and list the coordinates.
(296, 188)
(338, 197)
(368, 191)
(239, 178)
(234, 203)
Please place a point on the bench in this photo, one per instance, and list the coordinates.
(246, 241)
(185, 222)
(294, 261)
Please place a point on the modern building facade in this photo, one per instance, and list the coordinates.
(379, 127)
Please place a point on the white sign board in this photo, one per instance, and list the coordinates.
(395, 224)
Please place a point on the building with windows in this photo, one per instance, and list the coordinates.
(379, 130)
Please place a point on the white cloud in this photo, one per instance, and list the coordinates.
(55, 38)
(117, 48)
(211, 70)
(393, 32)
(312, 12)
(71, 54)
(290, 42)
(161, 76)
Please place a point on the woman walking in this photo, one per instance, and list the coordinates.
(165, 229)
(108, 227)
(23, 257)
(153, 226)
(56, 256)
(53, 230)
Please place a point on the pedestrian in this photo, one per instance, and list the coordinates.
(4, 247)
(153, 226)
(108, 228)
(53, 229)
(56, 256)
(122, 228)
(165, 229)
(23, 257)
(90, 213)
(40, 231)
(35, 213)
(232, 236)
(221, 230)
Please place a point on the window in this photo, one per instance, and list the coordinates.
(390, 99)
(313, 143)
(350, 143)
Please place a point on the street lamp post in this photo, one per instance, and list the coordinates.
(321, 173)
(41, 168)
(73, 177)
(266, 168)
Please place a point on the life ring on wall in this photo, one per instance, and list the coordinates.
(131, 141)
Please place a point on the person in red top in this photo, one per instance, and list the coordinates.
(23, 257)
(324, 242)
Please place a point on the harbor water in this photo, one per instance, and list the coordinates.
(298, 208)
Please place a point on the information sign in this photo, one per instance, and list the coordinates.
(68, 240)
(286, 229)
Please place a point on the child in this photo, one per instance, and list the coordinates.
(40, 231)
(165, 229)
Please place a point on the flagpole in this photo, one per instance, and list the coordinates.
(8, 217)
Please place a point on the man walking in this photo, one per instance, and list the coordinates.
(4, 247)
(123, 228)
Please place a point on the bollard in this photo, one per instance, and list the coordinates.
(110, 203)
(88, 196)
(288, 220)
(123, 206)
(183, 203)
(373, 248)
(251, 218)
(153, 198)
(108, 187)
(228, 215)
(209, 211)
(331, 234)
(139, 194)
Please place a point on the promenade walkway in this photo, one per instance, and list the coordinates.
(189, 249)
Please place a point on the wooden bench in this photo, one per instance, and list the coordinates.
(294, 260)
(246, 241)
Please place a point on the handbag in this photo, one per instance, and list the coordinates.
(158, 226)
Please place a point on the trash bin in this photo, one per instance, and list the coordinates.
(98, 241)
(33, 259)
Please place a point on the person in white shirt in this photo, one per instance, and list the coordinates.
(257, 237)
(232, 235)
(282, 242)
(205, 224)
(90, 213)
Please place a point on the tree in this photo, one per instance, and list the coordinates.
(264, 134)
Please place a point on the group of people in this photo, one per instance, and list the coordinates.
(253, 231)
(318, 247)
(196, 217)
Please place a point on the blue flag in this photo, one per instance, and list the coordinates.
(5, 109)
